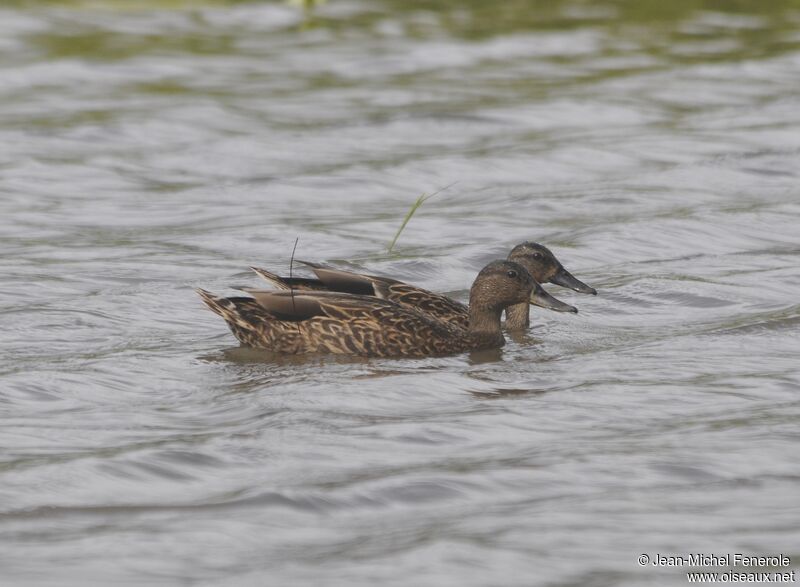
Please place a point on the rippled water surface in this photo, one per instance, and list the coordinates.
(145, 151)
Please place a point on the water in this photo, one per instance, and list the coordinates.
(143, 152)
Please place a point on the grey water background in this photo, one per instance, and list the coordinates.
(148, 149)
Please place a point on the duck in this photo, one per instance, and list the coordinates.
(313, 321)
(537, 259)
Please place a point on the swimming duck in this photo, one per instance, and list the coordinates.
(537, 259)
(310, 321)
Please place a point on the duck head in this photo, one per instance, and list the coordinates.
(501, 284)
(543, 266)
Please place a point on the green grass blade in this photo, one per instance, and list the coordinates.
(414, 207)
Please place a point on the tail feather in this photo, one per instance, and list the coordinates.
(245, 317)
(289, 283)
(271, 278)
(215, 304)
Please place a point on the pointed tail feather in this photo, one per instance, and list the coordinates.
(275, 280)
(242, 311)
(215, 304)
(290, 283)
(244, 316)
(312, 265)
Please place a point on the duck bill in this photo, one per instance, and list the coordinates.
(541, 298)
(565, 279)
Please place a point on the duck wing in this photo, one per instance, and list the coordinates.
(350, 282)
(436, 306)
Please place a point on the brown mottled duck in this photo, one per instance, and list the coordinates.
(309, 321)
(537, 259)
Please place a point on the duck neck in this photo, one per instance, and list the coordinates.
(517, 317)
(484, 322)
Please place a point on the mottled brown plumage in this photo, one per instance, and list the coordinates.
(310, 321)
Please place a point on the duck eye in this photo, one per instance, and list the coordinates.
(537, 255)
(512, 274)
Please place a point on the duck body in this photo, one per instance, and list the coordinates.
(314, 321)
